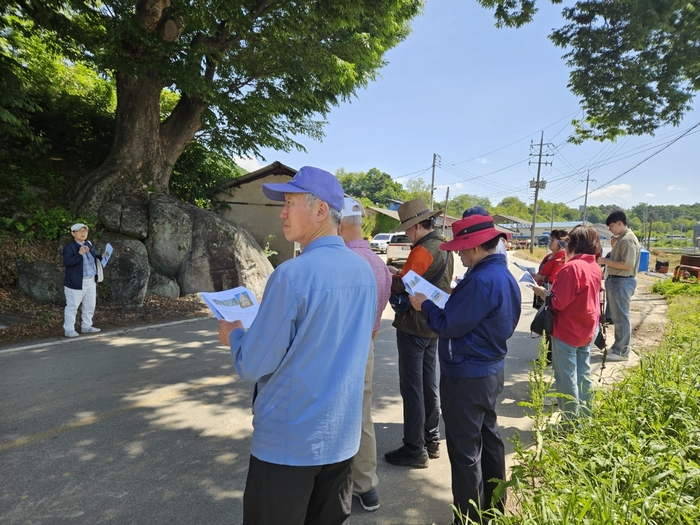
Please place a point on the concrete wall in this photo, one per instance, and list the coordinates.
(259, 215)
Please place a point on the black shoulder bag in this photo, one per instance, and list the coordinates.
(544, 318)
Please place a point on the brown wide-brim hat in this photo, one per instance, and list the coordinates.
(473, 231)
(413, 212)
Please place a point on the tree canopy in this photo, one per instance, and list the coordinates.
(634, 63)
(248, 73)
(374, 185)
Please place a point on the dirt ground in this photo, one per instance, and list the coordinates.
(25, 321)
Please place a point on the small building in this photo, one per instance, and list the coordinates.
(249, 208)
(388, 219)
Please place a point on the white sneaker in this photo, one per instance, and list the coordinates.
(90, 330)
(72, 333)
(616, 357)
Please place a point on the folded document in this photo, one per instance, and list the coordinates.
(414, 283)
(235, 304)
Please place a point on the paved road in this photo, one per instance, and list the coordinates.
(153, 426)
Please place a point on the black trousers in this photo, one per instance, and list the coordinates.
(286, 495)
(474, 443)
(419, 389)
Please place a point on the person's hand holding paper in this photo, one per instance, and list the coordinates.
(417, 300)
(225, 329)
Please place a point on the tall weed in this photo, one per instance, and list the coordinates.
(636, 459)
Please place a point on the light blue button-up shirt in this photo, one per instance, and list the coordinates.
(307, 349)
(89, 269)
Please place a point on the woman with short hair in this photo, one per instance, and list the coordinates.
(575, 304)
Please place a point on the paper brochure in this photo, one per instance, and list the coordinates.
(235, 304)
(414, 283)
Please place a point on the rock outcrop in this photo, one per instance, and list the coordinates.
(161, 246)
(41, 281)
(127, 272)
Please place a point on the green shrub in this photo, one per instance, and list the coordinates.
(636, 460)
(668, 288)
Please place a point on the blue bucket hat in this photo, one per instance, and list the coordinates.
(309, 180)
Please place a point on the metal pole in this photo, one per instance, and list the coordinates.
(585, 200)
(444, 212)
(551, 224)
(537, 192)
(432, 182)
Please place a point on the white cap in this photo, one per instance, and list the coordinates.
(351, 207)
(77, 226)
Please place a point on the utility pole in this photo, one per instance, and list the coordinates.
(432, 180)
(444, 212)
(682, 222)
(551, 224)
(585, 200)
(537, 185)
(672, 231)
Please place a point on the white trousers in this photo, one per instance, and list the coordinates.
(88, 297)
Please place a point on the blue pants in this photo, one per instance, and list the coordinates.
(572, 374)
(474, 444)
(419, 390)
(619, 291)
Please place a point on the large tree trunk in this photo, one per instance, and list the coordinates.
(144, 150)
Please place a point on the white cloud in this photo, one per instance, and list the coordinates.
(649, 195)
(248, 163)
(622, 191)
(674, 188)
(459, 185)
(482, 160)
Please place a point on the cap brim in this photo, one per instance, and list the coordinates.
(276, 192)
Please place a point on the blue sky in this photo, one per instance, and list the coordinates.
(478, 96)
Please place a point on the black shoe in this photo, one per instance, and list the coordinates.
(433, 448)
(401, 458)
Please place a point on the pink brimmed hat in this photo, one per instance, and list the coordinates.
(473, 231)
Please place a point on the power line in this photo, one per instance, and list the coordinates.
(643, 161)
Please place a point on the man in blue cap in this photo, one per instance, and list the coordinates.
(306, 350)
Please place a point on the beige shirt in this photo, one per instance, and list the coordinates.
(627, 250)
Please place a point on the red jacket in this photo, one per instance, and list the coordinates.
(576, 301)
(550, 266)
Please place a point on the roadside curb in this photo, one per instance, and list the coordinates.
(63, 340)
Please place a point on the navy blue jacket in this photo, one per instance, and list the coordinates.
(73, 262)
(479, 317)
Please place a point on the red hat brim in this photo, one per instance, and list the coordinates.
(471, 240)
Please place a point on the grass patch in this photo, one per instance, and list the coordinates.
(636, 460)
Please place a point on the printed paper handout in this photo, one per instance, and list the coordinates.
(527, 278)
(235, 304)
(107, 255)
(528, 269)
(415, 283)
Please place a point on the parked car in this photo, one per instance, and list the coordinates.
(543, 240)
(397, 251)
(380, 241)
(520, 241)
